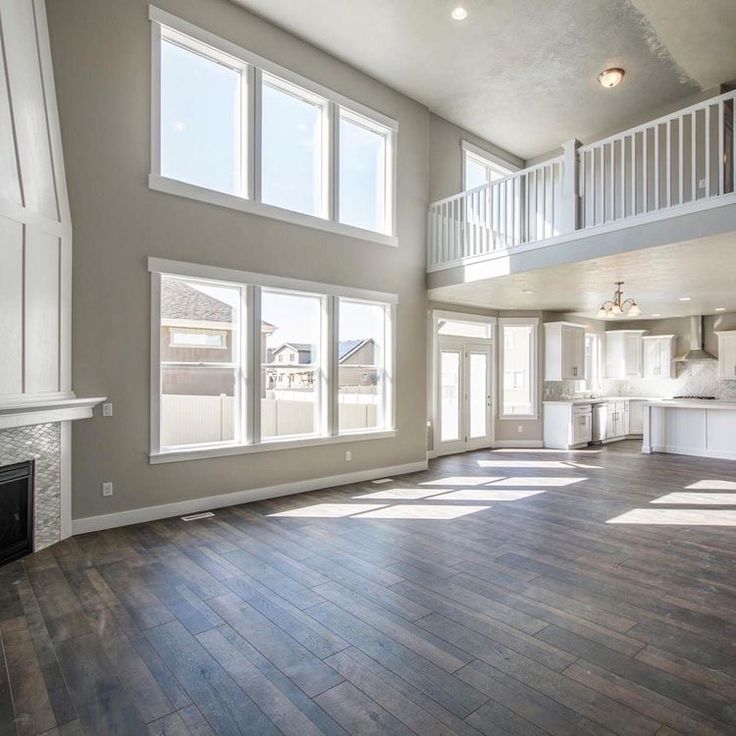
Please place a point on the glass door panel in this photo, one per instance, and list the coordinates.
(450, 395)
(478, 394)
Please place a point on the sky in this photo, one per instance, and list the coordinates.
(200, 131)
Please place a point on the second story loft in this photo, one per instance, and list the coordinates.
(680, 164)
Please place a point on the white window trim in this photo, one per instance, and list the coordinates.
(249, 403)
(249, 198)
(534, 367)
(485, 157)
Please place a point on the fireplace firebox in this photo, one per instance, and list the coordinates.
(16, 511)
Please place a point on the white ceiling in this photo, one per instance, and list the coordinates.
(655, 277)
(522, 73)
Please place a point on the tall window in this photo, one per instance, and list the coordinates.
(518, 367)
(291, 394)
(200, 363)
(255, 134)
(592, 362)
(247, 363)
(363, 172)
(363, 378)
(291, 149)
(480, 168)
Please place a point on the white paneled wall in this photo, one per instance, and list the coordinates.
(35, 228)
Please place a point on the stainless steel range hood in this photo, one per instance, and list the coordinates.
(697, 351)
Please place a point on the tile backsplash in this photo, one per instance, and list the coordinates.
(699, 379)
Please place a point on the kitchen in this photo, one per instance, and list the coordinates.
(669, 382)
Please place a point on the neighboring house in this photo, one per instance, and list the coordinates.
(196, 339)
(290, 365)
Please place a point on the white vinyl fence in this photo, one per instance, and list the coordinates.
(187, 419)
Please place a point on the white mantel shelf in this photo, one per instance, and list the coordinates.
(23, 413)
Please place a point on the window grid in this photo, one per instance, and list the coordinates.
(248, 368)
(255, 72)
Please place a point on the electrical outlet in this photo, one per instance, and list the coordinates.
(701, 184)
(107, 489)
(520, 429)
(107, 409)
(348, 456)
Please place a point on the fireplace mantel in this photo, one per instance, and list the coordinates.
(25, 411)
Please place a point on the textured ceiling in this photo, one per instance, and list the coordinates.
(655, 277)
(522, 73)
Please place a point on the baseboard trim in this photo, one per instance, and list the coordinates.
(527, 444)
(692, 451)
(194, 505)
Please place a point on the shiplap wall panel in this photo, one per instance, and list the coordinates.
(11, 306)
(28, 105)
(35, 231)
(41, 311)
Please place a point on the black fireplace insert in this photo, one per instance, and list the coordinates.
(16, 511)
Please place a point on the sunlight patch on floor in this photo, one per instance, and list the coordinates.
(698, 499)
(483, 494)
(523, 464)
(398, 494)
(677, 517)
(466, 480)
(330, 510)
(421, 511)
(712, 485)
(529, 481)
(545, 451)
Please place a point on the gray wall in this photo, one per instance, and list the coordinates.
(101, 53)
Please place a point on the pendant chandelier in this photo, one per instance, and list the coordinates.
(618, 305)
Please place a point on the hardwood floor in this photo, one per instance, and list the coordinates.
(493, 594)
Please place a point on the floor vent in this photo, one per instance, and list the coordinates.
(195, 517)
(382, 480)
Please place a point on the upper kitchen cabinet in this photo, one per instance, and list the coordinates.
(624, 354)
(659, 356)
(564, 351)
(727, 354)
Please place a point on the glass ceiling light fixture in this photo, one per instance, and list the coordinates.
(459, 12)
(618, 305)
(611, 77)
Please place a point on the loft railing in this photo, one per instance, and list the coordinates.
(681, 159)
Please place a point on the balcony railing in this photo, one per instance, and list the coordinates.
(678, 160)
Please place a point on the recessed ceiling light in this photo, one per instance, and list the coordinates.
(656, 314)
(528, 291)
(459, 13)
(720, 309)
(685, 299)
(611, 77)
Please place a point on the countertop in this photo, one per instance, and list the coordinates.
(601, 400)
(694, 403)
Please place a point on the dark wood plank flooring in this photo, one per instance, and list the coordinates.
(493, 594)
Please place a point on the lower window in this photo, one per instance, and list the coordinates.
(249, 364)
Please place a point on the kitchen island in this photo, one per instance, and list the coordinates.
(706, 428)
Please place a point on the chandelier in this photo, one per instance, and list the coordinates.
(618, 305)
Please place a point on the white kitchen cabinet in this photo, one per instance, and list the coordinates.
(564, 351)
(617, 424)
(567, 425)
(636, 417)
(624, 354)
(727, 354)
(659, 356)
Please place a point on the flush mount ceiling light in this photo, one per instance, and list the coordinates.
(611, 77)
(459, 13)
(684, 299)
(618, 305)
(528, 291)
(720, 309)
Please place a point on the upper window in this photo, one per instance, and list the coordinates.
(518, 368)
(480, 167)
(234, 124)
(294, 365)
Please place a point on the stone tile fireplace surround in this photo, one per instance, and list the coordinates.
(42, 443)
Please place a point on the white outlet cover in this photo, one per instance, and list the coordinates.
(107, 489)
(107, 409)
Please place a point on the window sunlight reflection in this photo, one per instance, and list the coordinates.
(678, 517)
(704, 499)
(713, 485)
(421, 511)
(483, 494)
(401, 493)
(546, 451)
(330, 510)
(523, 464)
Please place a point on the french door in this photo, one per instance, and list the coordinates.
(463, 395)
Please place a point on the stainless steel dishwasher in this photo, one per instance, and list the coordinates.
(600, 419)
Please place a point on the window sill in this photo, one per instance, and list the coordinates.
(198, 453)
(182, 189)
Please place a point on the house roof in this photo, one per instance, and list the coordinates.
(180, 300)
(347, 347)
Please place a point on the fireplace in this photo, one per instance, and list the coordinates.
(16, 511)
